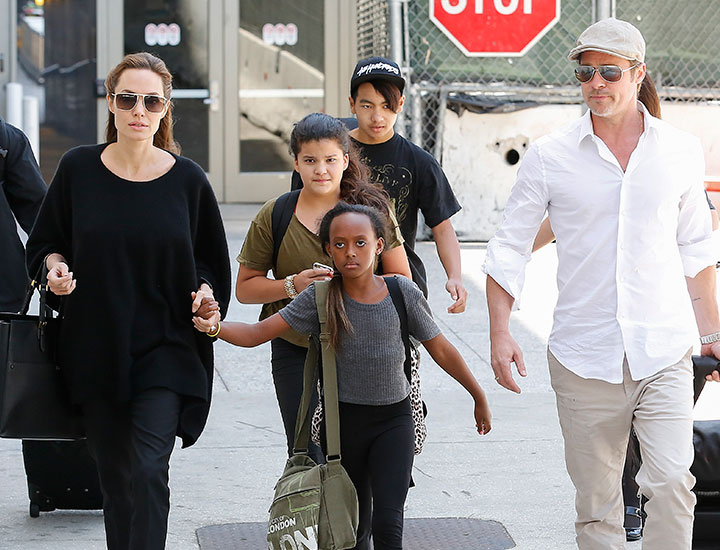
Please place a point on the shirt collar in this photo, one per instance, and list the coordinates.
(649, 123)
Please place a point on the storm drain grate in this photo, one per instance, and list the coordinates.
(419, 534)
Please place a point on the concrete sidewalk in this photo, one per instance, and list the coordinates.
(515, 475)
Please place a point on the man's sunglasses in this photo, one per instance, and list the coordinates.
(127, 102)
(609, 73)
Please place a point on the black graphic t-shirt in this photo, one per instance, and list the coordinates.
(415, 181)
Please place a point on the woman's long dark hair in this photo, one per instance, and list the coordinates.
(355, 186)
(163, 138)
(337, 319)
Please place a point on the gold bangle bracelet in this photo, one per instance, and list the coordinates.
(213, 335)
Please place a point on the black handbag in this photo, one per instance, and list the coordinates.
(34, 402)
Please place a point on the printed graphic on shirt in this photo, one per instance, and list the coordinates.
(397, 181)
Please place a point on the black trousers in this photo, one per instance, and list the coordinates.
(288, 364)
(376, 443)
(131, 443)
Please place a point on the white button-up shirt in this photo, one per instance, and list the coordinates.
(625, 243)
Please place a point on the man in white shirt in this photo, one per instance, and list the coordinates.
(636, 280)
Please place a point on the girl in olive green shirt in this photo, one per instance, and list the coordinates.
(331, 171)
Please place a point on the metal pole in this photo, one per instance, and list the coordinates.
(31, 124)
(14, 109)
(396, 46)
(604, 9)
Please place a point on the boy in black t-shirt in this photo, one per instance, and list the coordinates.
(411, 176)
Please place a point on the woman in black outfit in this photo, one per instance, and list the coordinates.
(133, 239)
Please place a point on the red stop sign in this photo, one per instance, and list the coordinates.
(494, 27)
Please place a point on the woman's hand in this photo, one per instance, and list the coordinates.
(206, 325)
(303, 279)
(60, 279)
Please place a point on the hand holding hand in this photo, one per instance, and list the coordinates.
(503, 351)
(207, 325)
(304, 278)
(203, 292)
(60, 279)
(458, 294)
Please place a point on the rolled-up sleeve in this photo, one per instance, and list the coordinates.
(699, 245)
(509, 251)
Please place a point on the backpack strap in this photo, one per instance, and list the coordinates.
(320, 348)
(281, 215)
(399, 302)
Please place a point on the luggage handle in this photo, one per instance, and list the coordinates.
(702, 366)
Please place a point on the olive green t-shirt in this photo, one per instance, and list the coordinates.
(300, 248)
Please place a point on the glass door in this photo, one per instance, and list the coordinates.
(187, 35)
(276, 78)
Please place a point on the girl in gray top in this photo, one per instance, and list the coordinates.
(376, 426)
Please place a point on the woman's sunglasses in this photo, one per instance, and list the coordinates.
(127, 102)
(609, 73)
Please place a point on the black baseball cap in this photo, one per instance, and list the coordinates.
(376, 68)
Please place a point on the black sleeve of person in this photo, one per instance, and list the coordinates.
(22, 182)
(436, 198)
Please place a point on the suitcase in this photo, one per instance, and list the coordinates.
(61, 475)
(706, 467)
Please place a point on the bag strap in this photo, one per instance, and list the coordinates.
(329, 373)
(399, 302)
(281, 215)
(40, 283)
(320, 348)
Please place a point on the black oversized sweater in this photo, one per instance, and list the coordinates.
(137, 251)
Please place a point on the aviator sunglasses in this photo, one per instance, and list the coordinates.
(609, 73)
(127, 102)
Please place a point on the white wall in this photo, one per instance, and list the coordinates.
(474, 158)
(475, 148)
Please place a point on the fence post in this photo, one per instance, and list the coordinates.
(604, 9)
(396, 47)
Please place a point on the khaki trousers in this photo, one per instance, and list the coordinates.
(596, 418)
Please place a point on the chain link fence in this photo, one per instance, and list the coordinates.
(373, 30)
(683, 58)
(683, 51)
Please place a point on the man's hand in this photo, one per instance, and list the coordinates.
(503, 351)
(712, 350)
(458, 294)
